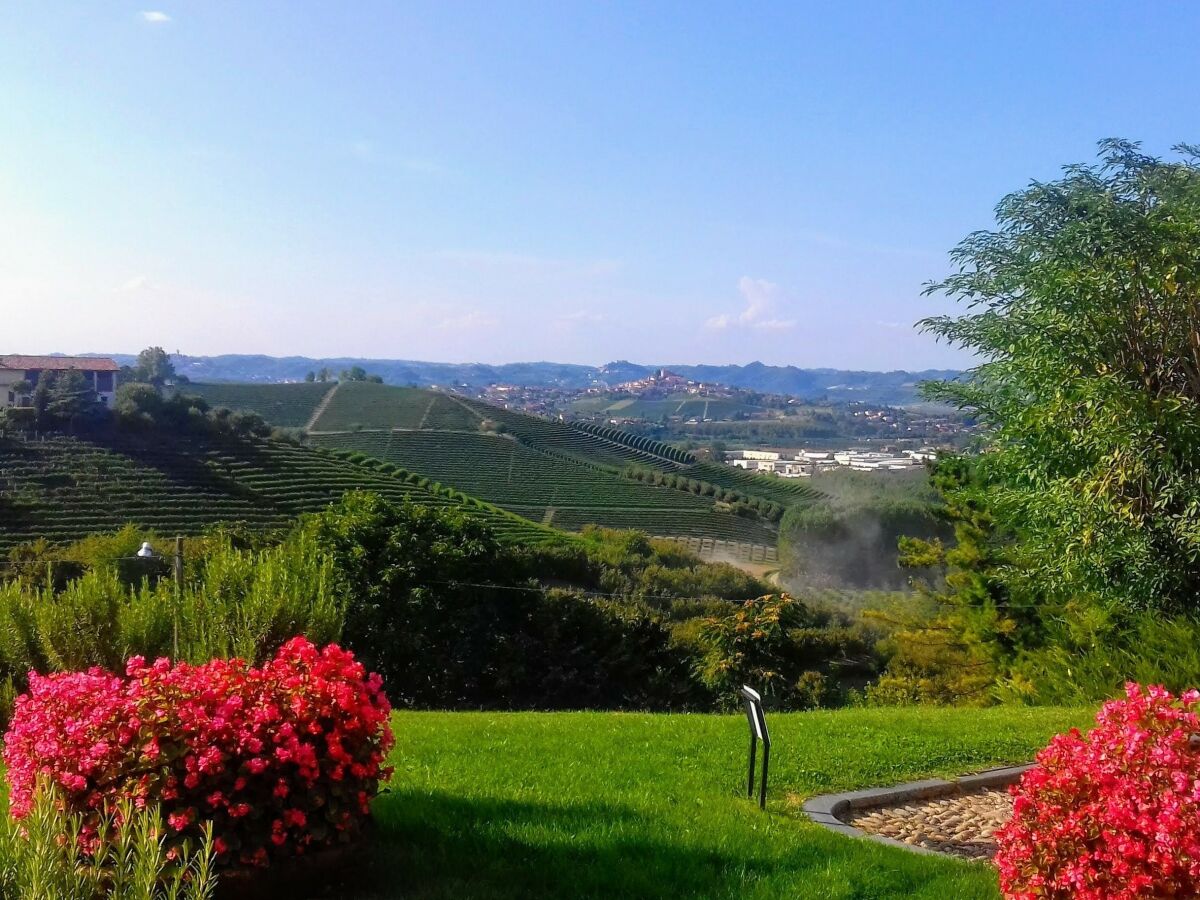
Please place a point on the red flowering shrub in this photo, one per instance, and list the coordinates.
(282, 759)
(1113, 814)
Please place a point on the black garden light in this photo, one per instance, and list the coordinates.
(757, 720)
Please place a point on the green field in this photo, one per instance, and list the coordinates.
(608, 805)
(63, 488)
(288, 405)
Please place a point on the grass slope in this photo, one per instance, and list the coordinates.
(600, 805)
(63, 488)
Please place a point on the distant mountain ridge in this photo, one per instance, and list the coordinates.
(811, 384)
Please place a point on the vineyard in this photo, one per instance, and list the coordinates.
(563, 474)
(655, 410)
(555, 489)
(287, 405)
(358, 405)
(599, 444)
(64, 488)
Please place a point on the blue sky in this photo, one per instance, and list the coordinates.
(582, 182)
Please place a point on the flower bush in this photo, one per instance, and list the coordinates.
(281, 759)
(1113, 814)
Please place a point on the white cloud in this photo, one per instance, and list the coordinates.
(761, 298)
(155, 17)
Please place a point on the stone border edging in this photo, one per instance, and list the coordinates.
(827, 810)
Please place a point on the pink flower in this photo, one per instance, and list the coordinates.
(1114, 814)
(202, 739)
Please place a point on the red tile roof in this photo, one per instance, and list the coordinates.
(84, 363)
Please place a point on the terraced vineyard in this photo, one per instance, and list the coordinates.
(360, 404)
(64, 488)
(288, 405)
(545, 434)
(555, 489)
(560, 473)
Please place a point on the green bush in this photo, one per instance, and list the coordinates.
(783, 649)
(234, 602)
(1089, 655)
(453, 618)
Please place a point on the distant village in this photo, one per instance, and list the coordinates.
(807, 463)
(743, 418)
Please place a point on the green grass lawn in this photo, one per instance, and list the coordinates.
(615, 805)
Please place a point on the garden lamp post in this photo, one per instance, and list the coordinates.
(147, 552)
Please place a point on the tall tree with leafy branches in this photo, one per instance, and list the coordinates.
(1083, 309)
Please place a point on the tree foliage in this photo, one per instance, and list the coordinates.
(153, 366)
(66, 399)
(1083, 307)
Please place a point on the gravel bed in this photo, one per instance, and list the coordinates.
(963, 825)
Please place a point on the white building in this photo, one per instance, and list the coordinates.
(101, 374)
(760, 454)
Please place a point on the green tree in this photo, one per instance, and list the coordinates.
(21, 390)
(310, 376)
(965, 630)
(153, 366)
(1083, 307)
(66, 399)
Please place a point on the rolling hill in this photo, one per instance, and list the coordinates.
(63, 488)
(560, 474)
(897, 387)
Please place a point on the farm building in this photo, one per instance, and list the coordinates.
(18, 370)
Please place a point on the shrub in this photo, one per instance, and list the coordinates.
(1113, 814)
(234, 603)
(281, 759)
(40, 856)
(779, 646)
